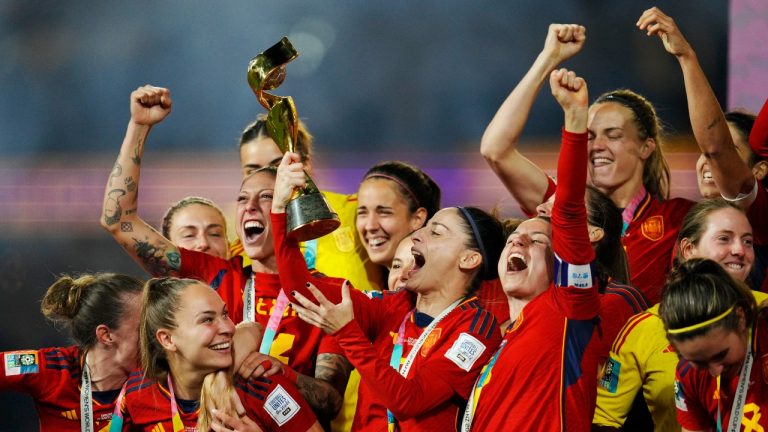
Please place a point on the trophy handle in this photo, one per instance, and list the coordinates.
(309, 215)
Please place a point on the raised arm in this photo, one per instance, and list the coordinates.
(526, 181)
(731, 174)
(154, 253)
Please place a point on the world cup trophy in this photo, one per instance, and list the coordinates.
(308, 214)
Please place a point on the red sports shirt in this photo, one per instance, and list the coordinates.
(273, 403)
(296, 341)
(52, 376)
(443, 372)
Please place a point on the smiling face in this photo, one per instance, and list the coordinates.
(203, 336)
(200, 228)
(254, 203)
(727, 240)
(616, 152)
(719, 351)
(525, 267)
(259, 153)
(401, 265)
(383, 219)
(440, 253)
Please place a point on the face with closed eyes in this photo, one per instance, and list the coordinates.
(200, 227)
(254, 203)
(525, 267)
(720, 351)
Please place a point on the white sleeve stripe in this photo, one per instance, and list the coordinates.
(578, 276)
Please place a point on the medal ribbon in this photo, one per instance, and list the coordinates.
(737, 410)
(178, 426)
(629, 211)
(397, 351)
(86, 399)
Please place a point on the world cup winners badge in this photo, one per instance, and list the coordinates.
(21, 362)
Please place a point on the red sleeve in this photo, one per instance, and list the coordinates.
(757, 214)
(435, 379)
(294, 276)
(691, 414)
(758, 138)
(570, 238)
(329, 345)
(276, 403)
(22, 372)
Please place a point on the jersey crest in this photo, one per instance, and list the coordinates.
(653, 228)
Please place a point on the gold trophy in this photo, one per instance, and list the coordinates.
(308, 214)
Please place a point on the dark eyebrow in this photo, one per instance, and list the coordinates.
(208, 312)
(275, 161)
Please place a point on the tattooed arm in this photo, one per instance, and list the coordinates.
(119, 215)
(325, 392)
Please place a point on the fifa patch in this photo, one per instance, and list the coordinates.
(465, 351)
(21, 362)
(680, 397)
(345, 239)
(281, 406)
(610, 378)
(653, 228)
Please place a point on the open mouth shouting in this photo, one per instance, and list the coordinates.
(516, 262)
(252, 230)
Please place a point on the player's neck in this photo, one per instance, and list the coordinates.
(266, 265)
(623, 195)
(187, 384)
(516, 306)
(434, 302)
(104, 372)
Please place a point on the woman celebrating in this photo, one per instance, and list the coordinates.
(543, 376)
(625, 161)
(443, 335)
(74, 388)
(197, 224)
(641, 358)
(186, 334)
(720, 380)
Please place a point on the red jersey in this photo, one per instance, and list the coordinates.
(52, 376)
(273, 403)
(650, 242)
(544, 376)
(435, 390)
(696, 396)
(492, 298)
(295, 343)
(617, 304)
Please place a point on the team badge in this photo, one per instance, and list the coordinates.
(653, 228)
(465, 351)
(345, 240)
(21, 362)
(431, 340)
(610, 378)
(281, 406)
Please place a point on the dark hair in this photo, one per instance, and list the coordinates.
(743, 122)
(184, 202)
(87, 301)
(695, 223)
(159, 304)
(258, 129)
(699, 290)
(655, 170)
(416, 187)
(610, 258)
(486, 235)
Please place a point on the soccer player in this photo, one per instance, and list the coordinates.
(75, 387)
(543, 377)
(641, 358)
(185, 335)
(720, 382)
(443, 336)
(625, 161)
(197, 224)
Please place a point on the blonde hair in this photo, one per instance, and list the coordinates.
(218, 392)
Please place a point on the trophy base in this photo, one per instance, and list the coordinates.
(309, 217)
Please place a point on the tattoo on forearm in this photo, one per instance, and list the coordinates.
(126, 227)
(137, 153)
(112, 210)
(157, 261)
(714, 123)
(117, 170)
(324, 400)
(333, 369)
(130, 185)
(130, 211)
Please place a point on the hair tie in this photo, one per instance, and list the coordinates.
(476, 234)
(691, 328)
(398, 182)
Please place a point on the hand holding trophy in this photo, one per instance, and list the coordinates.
(308, 214)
